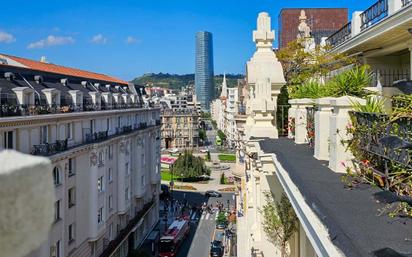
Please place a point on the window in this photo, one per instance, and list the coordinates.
(118, 122)
(92, 127)
(100, 184)
(100, 215)
(127, 168)
(43, 135)
(55, 250)
(71, 233)
(72, 197)
(68, 130)
(100, 158)
(143, 159)
(56, 176)
(71, 167)
(110, 152)
(127, 194)
(110, 203)
(143, 182)
(8, 140)
(110, 174)
(108, 124)
(57, 210)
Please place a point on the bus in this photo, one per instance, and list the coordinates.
(174, 236)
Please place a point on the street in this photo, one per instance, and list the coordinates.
(202, 225)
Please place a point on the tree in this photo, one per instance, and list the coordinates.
(202, 135)
(221, 135)
(222, 179)
(190, 166)
(300, 65)
(279, 221)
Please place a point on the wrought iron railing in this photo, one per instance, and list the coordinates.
(385, 145)
(96, 136)
(310, 125)
(47, 149)
(388, 76)
(341, 35)
(374, 14)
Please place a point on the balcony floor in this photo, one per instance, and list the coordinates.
(351, 216)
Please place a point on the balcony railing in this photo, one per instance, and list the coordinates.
(124, 233)
(341, 35)
(47, 149)
(9, 110)
(374, 14)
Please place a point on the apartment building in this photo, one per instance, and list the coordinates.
(180, 128)
(104, 147)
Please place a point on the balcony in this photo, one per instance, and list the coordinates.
(124, 233)
(375, 14)
(48, 149)
(10, 110)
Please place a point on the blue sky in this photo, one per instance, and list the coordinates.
(129, 38)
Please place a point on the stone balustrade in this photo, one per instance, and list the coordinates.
(322, 126)
(340, 158)
(291, 118)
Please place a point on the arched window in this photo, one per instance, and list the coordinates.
(56, 176)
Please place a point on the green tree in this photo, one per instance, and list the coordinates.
(221, 135)
(279, 221)
(190, 166)
(202, 135)
(222, 179)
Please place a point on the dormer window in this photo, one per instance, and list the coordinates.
(9, 76)
(38, 79)
(64, 82)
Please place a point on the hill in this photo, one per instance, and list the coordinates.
(175, 81)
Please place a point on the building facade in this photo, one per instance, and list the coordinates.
(104, 148)
(204, 73)
(323, 22)
(180, 128)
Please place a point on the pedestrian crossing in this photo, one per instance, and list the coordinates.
(209, 216)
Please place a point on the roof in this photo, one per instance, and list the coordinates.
(58, 69)
(351, 216)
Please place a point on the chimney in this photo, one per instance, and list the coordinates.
(43, 59)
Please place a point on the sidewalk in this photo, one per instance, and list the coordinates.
(199, 187)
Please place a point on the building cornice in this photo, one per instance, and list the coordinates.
(18, 121)
(315, 230)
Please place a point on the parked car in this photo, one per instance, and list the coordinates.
(216, 249)
(212, 193)
(221, 225)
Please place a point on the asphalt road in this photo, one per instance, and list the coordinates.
(203, 226)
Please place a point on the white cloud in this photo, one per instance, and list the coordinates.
(51, 41)
(6, 37)
(99, 39)
(132, 40)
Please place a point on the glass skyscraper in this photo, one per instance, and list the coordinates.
(204, 75)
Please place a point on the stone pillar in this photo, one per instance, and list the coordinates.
(394, 6)
(96, 99)
(51, 94)
(322, 126)
(292, 118)
(339, 157)
(26, 202)
(107, 98)
(21, 93)
(301, 133)
(356, 23)
(265, 78)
